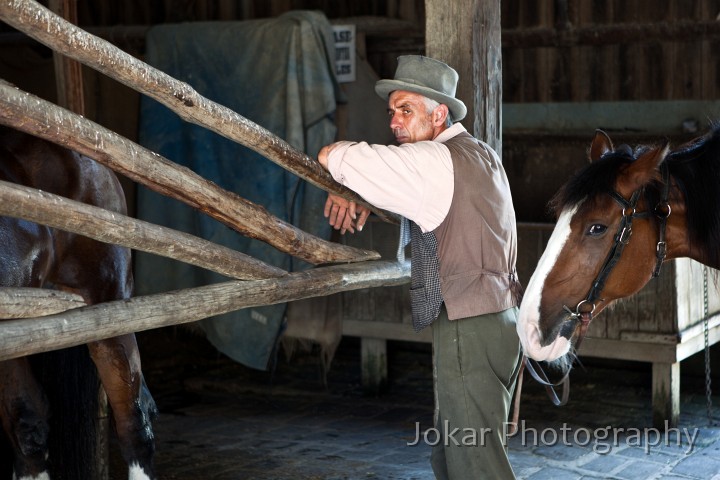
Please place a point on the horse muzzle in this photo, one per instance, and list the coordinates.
(543, 344)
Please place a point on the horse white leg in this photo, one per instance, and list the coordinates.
(118, 363)
(136, 472)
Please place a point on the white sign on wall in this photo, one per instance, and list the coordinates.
(344, 52)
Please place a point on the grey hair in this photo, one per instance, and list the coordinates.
(431, 105)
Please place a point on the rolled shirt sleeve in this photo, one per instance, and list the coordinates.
(413, 180)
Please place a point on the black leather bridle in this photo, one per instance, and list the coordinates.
(662, 211)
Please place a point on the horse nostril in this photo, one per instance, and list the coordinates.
(562, 326)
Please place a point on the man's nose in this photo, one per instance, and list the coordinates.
(395, 122)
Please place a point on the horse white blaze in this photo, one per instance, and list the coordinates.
(528, 321)
(137, 473)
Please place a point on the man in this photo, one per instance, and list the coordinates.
(454, 191)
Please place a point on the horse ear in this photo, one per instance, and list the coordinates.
(601, 144)
(646, 167)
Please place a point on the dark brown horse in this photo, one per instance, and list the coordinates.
(40, 432)
(619, 219)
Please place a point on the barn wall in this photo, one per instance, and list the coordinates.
(614, 50)
(606, 58)
(553, 51)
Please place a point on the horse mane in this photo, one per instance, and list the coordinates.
(594, 179)
(696, 169)
(695, 166)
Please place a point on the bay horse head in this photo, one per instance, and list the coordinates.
(618, 219)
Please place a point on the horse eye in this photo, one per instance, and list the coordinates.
(596, 229)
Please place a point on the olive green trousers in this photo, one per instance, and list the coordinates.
(476, 362)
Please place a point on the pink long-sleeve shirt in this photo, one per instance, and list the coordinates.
(414, 180)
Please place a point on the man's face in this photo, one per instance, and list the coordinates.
(409, 118)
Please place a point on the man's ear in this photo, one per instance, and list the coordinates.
(440, 114)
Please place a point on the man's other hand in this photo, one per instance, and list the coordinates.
(345, 215)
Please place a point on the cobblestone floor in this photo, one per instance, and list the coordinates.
(222, 421)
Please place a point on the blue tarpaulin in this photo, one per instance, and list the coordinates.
(278, 73)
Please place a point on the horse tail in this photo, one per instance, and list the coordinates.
(71, 384)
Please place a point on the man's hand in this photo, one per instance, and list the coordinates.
(345, 215)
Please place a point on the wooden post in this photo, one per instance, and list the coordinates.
(24, 302)
(69, 86)
(68, 72)
(665, 394)
(465, 34)
(373, 359)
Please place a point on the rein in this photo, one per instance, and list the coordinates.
(584, 309)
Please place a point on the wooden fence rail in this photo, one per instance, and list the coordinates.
(25, 302)
(86, 324)
(53, 31)
(57, 320)
(111, 227)
(43, 119)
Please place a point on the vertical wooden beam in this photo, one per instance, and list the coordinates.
(665, 394)
(544, 57)
(487, 74)
(709, 79)
(68, 72)
(465, 34)
(579, 13)
(69, 86)
(608, 77)
(373, 357)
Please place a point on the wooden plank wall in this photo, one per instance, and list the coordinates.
(610, 50)
(141, 12)
(553, 50)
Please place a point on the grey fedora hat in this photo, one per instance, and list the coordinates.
(428, 77)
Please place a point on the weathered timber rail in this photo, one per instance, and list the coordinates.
(86, 324)
(62, 36)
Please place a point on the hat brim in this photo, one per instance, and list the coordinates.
(458, 110)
